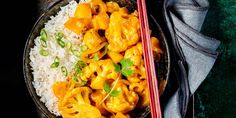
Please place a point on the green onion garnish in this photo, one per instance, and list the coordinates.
(61, 43)
(83, 48)
(56, 59)
(75, 52)
(54, 65)
(43, 52)
(74, 78)
(43, 35)
(43, 38)
(68, 45)
(82, 82)
(59, 36)
(79, 66)
(64, 70)
(43, 43)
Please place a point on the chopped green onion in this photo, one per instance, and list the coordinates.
(68, 45)
(43, 43)
(82, 82)
(61, 43)
(56, 59)
(78, 70)
(59, 36)
(43, 52)
(54, 65)
(79, 66)
(43, 38)
(83, 48)
(74, 78)
(64, 70)
(96, 57)
(43, 35)
(75, 52)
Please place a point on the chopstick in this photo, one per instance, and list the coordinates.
(149, 61)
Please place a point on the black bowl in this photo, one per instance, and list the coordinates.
(162, 71)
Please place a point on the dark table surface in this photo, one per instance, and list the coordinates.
(215, 97)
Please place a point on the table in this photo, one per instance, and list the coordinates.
(216, 96)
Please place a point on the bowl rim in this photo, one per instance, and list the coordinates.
(25, 65)
(28, 72)
(167, 50)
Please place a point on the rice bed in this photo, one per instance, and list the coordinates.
(44, 76)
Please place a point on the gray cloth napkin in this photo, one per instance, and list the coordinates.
(184, 19)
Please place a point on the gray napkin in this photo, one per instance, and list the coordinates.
(184, 19)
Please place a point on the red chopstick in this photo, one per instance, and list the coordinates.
(149, 62)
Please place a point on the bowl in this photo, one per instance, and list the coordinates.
(162, 71)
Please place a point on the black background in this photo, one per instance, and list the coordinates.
(17, 19)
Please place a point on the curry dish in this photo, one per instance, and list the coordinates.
(109, 78)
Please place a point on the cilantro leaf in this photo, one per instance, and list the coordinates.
(126, 63)
(115, 93)
(127, 72)
(117, 67)
(126, 67)
(106, 87)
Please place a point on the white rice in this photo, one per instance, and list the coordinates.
(44, 76)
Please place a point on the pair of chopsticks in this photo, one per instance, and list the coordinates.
(149, 62)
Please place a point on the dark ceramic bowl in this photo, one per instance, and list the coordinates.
(162, 71)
